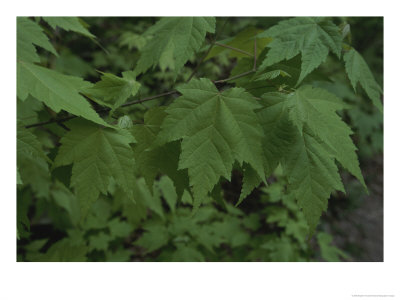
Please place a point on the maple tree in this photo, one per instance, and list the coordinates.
(266, 115)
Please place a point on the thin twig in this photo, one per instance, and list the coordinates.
(235, 77)
(103, 109)
(234, 49)
(201, 61)
(208, 51)
(51, 121)
(149, 98)
(245, 73)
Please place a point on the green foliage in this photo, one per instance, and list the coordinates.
(32, 162)
(58, 91)
(97, 154)
(316, 108)
(69, 24)
(150, 161)
(312, 37)
(217, 129)
(358, 71)
(29, 34)
(308, 153)
(329, 252)
(174, 40)
(113, 91)
(234, 169)
(244, 40)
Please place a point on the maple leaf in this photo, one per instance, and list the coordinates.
(216, 129)
(29, 34)
(250, 181)
(304, 132)
(277, 139)
(113, 91)
(153, 160)
(28, 144)
(312, 175)
(32, 162)
(358, 71)
(97, 154)
(317, 108)
(56, 90)
(312, 37)
(69, 24)
(175, 40)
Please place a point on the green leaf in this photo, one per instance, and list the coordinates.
(119, 228)
(244, 40)
(99, 241)
(125, 122)
(312, 175)
(68, 24)
(133, 40)
(278, 133)
(120, 255)
(72, 64)
(205, 236)
(164, 159)
(277, 214)
(32, 162)
(358, 71)
(312, 37)
(113, 91)
(98, 216)
(187, 253)
(152, 201)
(166, 186)
(230, 231)
(186, 198)
(67, 200)
(134, 210)
(298, 229)
(252, 221)
(97, 154)
(329, 252)
(276, 140)
(65, 250)
(56, 90)
(28, 144)
(281, 249)
(175, 40)
(272, 74)
(250, 181)
(317, 109)
(29, 34)
(155, 237)
(304, 132)
(27, 111)
(216, 129)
